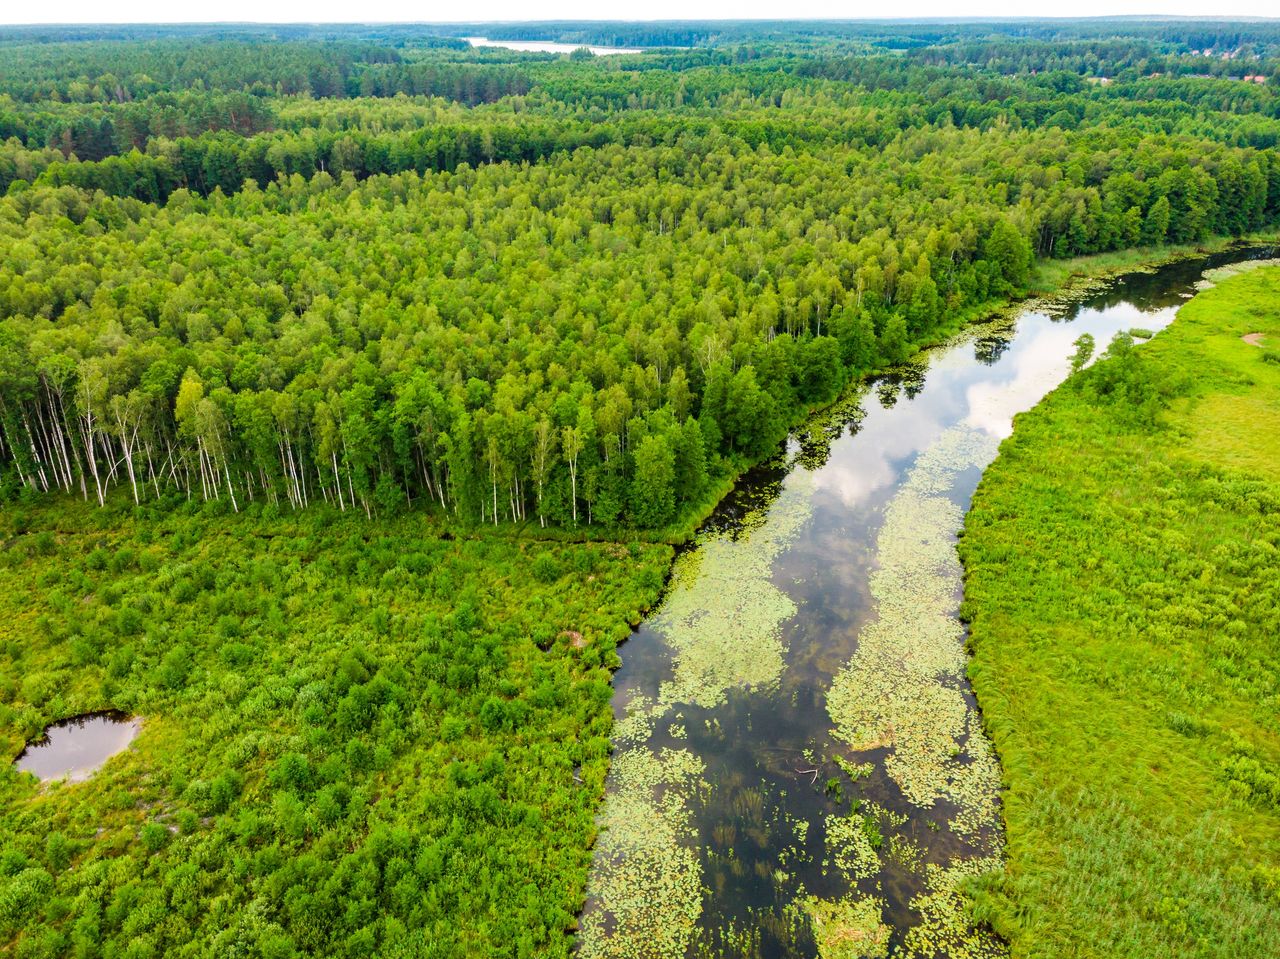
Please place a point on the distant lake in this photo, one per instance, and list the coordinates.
(546, 46)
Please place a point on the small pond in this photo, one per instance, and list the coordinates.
(75, 748)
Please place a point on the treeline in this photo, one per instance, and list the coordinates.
(371, 137)
(106, 71)
(1118, 56)
(581, 304)
(91, 132)
(901, 34)
(584, 340)
(96, 131)
(1165, 33)
(244, 70)
(203, 140)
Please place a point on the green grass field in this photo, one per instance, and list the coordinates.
(1123, 584)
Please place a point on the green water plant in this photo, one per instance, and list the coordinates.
(851, 928)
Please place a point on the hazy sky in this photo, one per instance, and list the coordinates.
(311, 11)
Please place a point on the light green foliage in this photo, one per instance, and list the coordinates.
(647, 880)
(1124, 589)
(392, 272)
(722, 615)
(1084, 345)
(849, 929)
(365, 269)
(1008, 250)
(946, 926)
(852, 845)
(652, 487)
(1215, 276)
(351, 746)
(899, 689)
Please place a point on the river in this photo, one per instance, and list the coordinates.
(799, 761)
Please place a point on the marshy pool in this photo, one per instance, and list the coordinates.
(74, 749)
(800, 765)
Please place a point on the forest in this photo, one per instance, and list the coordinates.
(514, 288)
(355, 384)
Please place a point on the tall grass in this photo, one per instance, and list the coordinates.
(1123, 584)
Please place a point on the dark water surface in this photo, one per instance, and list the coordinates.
(74, 748)
(798, 753)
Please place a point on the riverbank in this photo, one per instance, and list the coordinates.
(1052, 276)
(1050, 279)
(1123, 587)
(802, 687)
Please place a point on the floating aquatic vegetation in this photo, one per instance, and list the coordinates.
(1061, 302)
(902, 689)
(848, 929)
(977, 810)
(637, 725)
(855, 771)
(906, 852)
(646, 879)
(878, 812)
(722, 616)
(850, 847)
(814, 439)
(722, 619)
(944, 927)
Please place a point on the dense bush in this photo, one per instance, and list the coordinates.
(349, 746)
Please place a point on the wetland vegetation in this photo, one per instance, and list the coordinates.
(1123, 591)
(841, 794)
(352, 741)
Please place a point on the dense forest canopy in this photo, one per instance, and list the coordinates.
(379, 268)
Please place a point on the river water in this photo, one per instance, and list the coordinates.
(799, 762)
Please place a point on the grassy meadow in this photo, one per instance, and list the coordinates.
(1123, 589)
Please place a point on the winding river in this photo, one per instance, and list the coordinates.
(800, 766)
